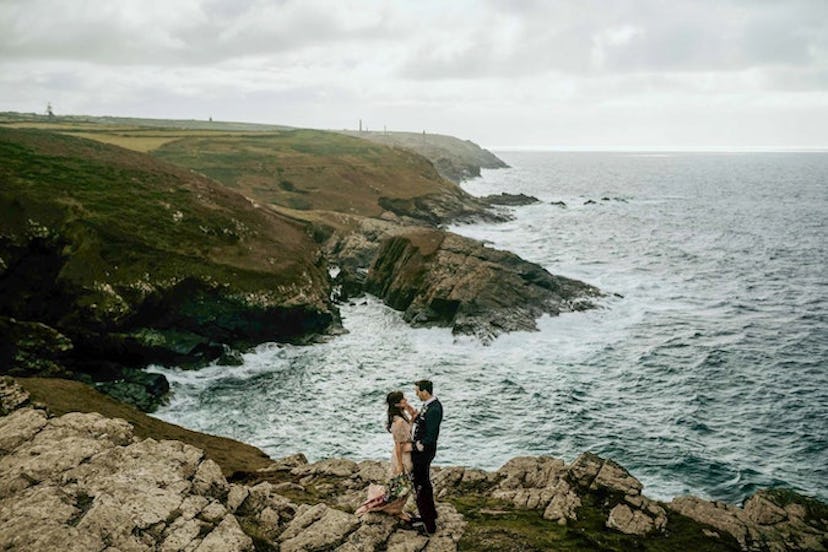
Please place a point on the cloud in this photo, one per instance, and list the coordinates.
(176, 33)
(623, 37)
(483, 69)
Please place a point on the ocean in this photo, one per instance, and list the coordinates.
(704, 370)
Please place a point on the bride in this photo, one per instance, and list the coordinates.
(392, 497)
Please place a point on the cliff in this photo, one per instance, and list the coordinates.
(442, 279)
(179, 246)
(110, 259)
(83, 481)
(454, 159)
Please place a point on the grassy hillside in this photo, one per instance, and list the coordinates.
(453, 158)
(309, 169)
(135, 260)
(295, 170)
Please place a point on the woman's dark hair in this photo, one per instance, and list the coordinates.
(393, 399)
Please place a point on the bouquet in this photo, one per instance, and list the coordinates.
(398, 487)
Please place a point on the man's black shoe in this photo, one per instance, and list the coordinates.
(413, 523)
(421, 530)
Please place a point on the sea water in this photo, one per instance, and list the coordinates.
(704, 370)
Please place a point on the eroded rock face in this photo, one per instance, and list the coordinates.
(442, 279)
(772, 520)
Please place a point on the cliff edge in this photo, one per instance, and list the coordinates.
(84, 482)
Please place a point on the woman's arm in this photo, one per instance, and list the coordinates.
(398, 450)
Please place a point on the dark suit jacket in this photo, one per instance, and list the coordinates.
(427, 424)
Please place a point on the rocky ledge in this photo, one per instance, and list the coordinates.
(83, 482)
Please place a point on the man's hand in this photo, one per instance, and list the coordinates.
(419, 446)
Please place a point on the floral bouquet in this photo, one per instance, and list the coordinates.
(389, 497)
(398, 487)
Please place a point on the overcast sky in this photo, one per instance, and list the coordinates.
(579, 74)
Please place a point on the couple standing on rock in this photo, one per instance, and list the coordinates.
(415, 444)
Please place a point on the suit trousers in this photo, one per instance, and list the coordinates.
(422, 486)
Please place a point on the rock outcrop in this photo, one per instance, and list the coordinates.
(84, 482)
(511, 200)
(440, 278)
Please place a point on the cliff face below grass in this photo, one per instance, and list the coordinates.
(84, 481)
(110, 259)
(439, 278)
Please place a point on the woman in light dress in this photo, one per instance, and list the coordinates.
(400, 414)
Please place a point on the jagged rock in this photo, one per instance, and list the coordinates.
(442, 279)
(372, 470)
(236, 496)
(181, 534)
(209, 480)
(227, 537)
(83, 482)
(637, 521)
(773, 520)
(724, 517)
(529, 471)
(336, 467)
(406, 541)
(32, 348)
(629, 521)
(285, 464)
(317, 528)
(20, 426)
(558, 203)
(564, 504)
(372, 534)
(12, 396)
(593, 472)
(509, 199)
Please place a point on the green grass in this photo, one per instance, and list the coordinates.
(133, 215)
(498, 526)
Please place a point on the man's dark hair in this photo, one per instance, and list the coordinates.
(425, 385)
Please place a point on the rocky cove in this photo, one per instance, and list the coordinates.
(85, 481)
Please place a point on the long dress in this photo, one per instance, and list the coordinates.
(376, 502)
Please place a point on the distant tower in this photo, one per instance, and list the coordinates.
(360, 125)
(49, 112)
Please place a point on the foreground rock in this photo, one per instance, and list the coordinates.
(440, 278)
(83, 482)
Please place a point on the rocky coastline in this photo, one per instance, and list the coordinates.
(112, 259)
(83, 481)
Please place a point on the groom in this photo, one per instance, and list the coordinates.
(425, 433)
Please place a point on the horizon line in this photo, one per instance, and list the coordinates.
(661, 149)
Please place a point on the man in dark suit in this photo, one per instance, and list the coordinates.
(425, 433)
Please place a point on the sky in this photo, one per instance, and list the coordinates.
(585, 74)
